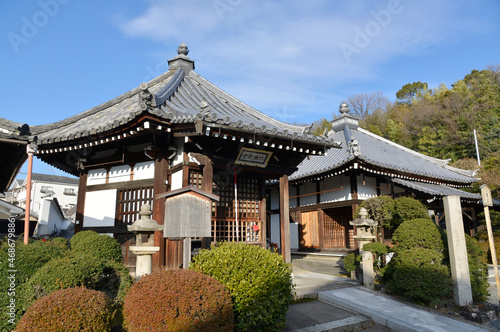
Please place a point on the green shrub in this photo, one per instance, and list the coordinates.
(484, 244)
(25, 260)
(183, 300)
(380, 209)
(259, 281)
(376, 248)
(91, 272)
(407, 208)
(419, 276)
(351, 262)
(418, 233)
(477, 269)
(68, 310)
(60, 241)
(100, 246)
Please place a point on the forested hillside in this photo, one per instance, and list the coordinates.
(441, 122)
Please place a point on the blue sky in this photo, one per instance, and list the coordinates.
(293, 60)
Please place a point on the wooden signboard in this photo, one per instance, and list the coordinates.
(188, 213)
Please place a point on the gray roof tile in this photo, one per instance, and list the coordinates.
(380, 152)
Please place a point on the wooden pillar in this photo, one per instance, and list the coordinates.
(207, 185)
(354, 186)
(285, 219)
(262, 213)
(159, 187)
(80, 201)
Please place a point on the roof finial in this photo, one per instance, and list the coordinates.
(182, 50)
(344, 108)
(181, 60)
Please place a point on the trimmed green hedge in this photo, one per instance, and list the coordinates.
(418, 233)
(91, 272)
(419, 276)
(178, 300)
(25, 260)
(259, 281)
(100, 246)
(69, 310)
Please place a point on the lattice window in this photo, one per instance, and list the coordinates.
(130, 202)
(195, 179)
(224, 224)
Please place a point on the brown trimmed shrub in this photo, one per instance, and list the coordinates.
(178, 300)
(68, 310)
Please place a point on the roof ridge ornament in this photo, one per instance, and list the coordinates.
(181, 60)
(344, 108)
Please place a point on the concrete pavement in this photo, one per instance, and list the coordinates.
(344, 305)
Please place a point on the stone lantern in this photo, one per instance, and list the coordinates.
(144, 228)
(364, 235)
(364, 228)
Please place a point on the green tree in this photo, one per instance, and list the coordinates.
(412, 91)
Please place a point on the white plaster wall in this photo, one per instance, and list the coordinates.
(100, 208)
(275, 199)
(176, 180)
(335, 182)
(119, 173)
(275, 232)
(275, 229)
(308, 188)
(96, 176)
(367, 190)
(294, 236)
(144, 170)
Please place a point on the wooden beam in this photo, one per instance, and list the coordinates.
(80, 202)
(285, 219)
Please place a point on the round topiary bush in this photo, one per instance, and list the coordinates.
(25, 260)
(418, 233)
(178, 300)
(80, 270)
(100, 246)
(259, 281)
(68, 310)
(407, 208)
(419, 276)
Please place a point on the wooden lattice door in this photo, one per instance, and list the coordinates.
(336, 230)
(225, 225)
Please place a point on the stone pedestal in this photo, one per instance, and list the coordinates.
(144, 260)
(368, 275)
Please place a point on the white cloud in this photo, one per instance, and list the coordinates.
(284, 53)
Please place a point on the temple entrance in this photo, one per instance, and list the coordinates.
(336, 229)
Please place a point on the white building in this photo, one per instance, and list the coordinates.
(65, 189)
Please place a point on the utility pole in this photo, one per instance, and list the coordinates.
(477, 150)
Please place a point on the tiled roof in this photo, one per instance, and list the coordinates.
(375, 151)
(53, 179)
(13, 139)
(178, 96)
(437, 190)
